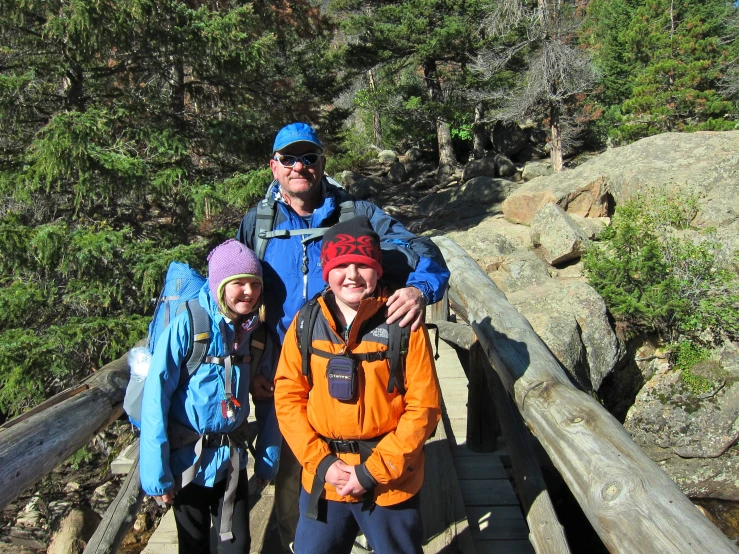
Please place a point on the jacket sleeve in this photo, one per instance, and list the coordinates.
(400, 450)
(291, 404)
(161, 382)
(268, 432)
(431, 275)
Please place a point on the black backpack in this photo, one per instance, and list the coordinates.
(398, 339)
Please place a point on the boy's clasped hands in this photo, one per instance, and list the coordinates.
(344, 477)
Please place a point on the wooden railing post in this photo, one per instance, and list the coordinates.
(482, 420)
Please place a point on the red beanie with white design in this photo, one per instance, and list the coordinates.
(351, 241)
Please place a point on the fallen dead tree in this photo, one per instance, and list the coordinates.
(32, 445)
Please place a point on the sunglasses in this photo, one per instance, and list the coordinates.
(288, 160)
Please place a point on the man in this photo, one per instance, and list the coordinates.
(304, 202)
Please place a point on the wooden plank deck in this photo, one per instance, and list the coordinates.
(494, 518)
(493, 512)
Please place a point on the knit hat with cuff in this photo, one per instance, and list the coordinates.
(351, 241)
(228, 261)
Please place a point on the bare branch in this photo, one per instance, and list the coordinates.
(507, 15)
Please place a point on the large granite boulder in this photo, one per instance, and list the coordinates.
(397, 173)
(387, 157)
(484, 167)
(480, 195)
(572, 320)
(705, 164)
(693, 435)
(508, 138)
(532, 170)
(566, 313)
(560, 238)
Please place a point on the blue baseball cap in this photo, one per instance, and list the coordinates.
(295, 132)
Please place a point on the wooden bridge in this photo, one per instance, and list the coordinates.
(511, 382)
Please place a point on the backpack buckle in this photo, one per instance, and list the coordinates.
(375, 356)
(343, 446)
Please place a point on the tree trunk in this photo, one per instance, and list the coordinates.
(556, 138)
(479, 137)
(447, 160)
(376, 123)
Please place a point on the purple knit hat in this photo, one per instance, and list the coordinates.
(228, 261)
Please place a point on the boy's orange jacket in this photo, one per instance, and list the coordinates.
(306, 413)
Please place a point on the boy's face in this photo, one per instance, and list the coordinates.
(242, 295)
(351, 283)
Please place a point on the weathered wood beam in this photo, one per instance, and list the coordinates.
(120, 515)
(36, 444)
(545, 532)
(459, 334)
(631, 503)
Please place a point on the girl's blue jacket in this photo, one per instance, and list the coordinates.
(196, 403)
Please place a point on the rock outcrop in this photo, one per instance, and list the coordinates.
(693, 436)
(704, 164)
(528, 237)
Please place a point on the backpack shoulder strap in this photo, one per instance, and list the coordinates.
(200, 334)
(264, 223)
(306, 320)
(257, 345)
(346, 204)
(398, 339)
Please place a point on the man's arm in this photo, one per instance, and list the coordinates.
(426, 282)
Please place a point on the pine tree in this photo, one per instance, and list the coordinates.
(557, 72)
(663, 61)
(419, 50)
(124, 123)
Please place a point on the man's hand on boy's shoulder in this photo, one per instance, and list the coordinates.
(262, 388)
(407, 303)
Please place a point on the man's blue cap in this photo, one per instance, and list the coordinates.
(296, 132)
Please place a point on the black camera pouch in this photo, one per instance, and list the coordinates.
(342, 378)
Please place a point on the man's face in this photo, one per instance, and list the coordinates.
(300, 180)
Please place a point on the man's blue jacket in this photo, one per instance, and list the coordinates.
(195, 403)
(292, 270)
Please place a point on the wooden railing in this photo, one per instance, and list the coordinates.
(631, 503)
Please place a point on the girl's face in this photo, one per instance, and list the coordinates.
(241, 295)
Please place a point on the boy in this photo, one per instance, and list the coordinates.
(359, 440)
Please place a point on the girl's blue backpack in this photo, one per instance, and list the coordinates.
(181, 284)
(180, 292)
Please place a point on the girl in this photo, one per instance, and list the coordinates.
(192, 426)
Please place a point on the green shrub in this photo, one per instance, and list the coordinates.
(83, 456)
(686, 355)
(654, 277)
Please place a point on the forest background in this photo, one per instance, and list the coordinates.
(137, 132)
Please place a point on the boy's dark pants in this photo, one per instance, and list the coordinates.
(196, 507)
(388, 529)
(287, 495)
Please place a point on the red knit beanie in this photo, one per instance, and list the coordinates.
(351, 241)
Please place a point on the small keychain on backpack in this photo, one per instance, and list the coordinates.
(228, 408)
